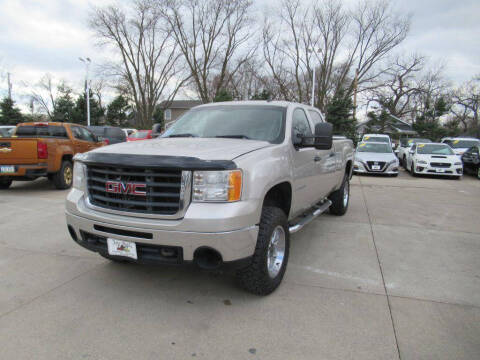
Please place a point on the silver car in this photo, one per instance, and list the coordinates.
(375, 158)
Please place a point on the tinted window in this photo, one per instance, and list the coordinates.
(300, 126)
(376, 139)
(81, 133)
(315, 116)
(460, 144)
(97, 130)
(139, 135)
(41, 131)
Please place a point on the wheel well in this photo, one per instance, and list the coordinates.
(279, 196)
(348, 168)
(67, 157)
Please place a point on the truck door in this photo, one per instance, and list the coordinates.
(83, 139)
(327, 163)
(304, 173)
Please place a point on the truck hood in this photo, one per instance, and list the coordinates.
(201, 148)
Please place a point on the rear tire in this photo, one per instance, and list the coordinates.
(64, 177)
(265, 272)
(341, 198)
(5, 184)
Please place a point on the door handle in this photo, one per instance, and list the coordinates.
(317, 158)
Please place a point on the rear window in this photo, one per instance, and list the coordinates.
(41, 131)
(139, 135)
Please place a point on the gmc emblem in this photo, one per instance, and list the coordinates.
(117, 187)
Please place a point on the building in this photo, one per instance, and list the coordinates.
(172, 110)
(395, 127)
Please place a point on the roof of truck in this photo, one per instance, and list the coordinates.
(256, 103)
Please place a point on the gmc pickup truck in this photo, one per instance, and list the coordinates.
(225, 185)
(43, 150)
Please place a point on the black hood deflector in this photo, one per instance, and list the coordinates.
(157, 161)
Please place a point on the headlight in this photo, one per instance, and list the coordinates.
(394, 161)
(458, 163)
(421, 162)
(79, 176)
(225, 186)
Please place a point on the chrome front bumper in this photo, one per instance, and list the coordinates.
(227, 228)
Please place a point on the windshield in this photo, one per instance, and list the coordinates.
(434, 149)
(6, 132)
(410, 142)
(461, 144)
(97, 130)
(383, 139)
(139, 135)
(374, 148)
(266, 123)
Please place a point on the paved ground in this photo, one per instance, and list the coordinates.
(397, 277)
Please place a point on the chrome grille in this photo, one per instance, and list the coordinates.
(439, 165)
(164, 189)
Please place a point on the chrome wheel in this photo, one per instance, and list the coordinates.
(276, 251)
(346, 193)
(68, 175)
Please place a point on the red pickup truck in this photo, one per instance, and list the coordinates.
(43, 150)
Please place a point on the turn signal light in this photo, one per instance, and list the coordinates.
(235, 185)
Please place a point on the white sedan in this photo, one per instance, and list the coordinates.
(375, 158)
(434, 159)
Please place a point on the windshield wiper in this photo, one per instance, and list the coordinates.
(181, 135)
(233, 136)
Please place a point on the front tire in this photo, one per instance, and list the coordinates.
(5, 184)
(341, 198)
(412, 170)
(269, 262)
(64, 177)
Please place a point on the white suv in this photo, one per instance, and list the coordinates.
(434, 159)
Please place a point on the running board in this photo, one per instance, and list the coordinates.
(318, 209)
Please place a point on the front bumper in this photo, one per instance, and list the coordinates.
(427, 169)
(230, 229)
(361, 168)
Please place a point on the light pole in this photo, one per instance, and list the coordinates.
(312, 102)
(87, 62)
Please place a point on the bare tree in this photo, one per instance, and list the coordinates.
(213, 37)
(467, 99)
(398, 86)
(43, 94)
(148, 56)
(335, 40)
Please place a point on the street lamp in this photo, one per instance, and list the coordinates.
(87, 62)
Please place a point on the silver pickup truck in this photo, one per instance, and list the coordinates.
(224, 187)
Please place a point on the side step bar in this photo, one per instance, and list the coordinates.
(318, 209)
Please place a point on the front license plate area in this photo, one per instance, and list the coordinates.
(440, 170)
(122, 248)
(375, 167)
(9, 169)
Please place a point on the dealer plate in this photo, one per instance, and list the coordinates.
(122, 248)
(440, 170)
(9, 169)
(375, 167)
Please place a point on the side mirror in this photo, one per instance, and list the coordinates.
(323, 138)
(412, 152)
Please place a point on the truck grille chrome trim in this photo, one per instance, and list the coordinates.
(165, 193)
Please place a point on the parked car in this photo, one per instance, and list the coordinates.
(434, 159)
(404, 149)
(6, 130)
(109, 134)
(140, 135)
(375, 158)
(460, 144)
(471, 160)
(377, 138)
(225, 185)
(43, 150)
(128, 131)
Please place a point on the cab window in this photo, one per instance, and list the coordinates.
(81, 133)
(300, 126)
(315, 116)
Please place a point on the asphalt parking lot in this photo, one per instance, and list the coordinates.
(397, 277)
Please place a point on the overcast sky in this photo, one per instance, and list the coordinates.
(37, 37)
